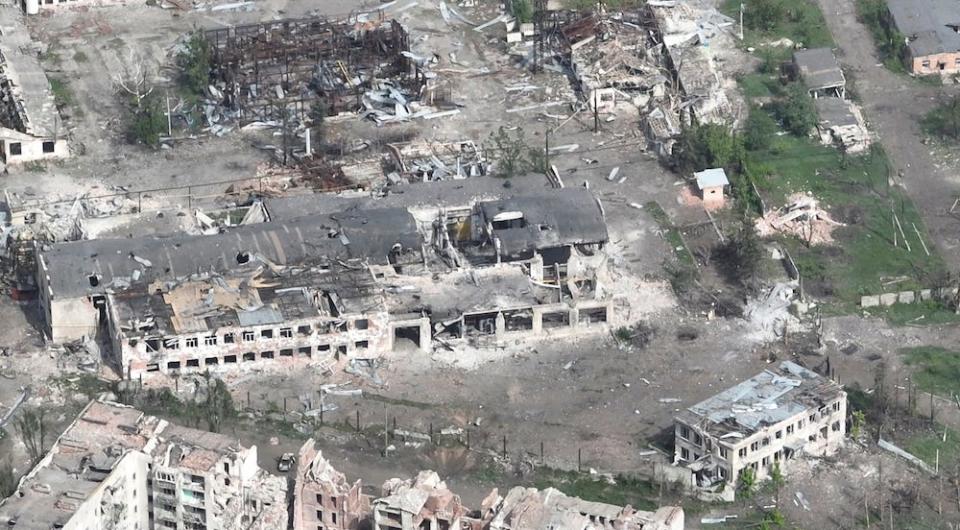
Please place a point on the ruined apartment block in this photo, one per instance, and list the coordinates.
(316, 289)
(533, 509)
(115, 467)
(322, 497)
(30, 126)
(764, 421)
(423, 503)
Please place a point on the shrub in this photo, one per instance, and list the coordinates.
(194, 63)
(759, 129)
(797, 112)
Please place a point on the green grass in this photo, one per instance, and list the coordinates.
(638, 493)
(864, 254)
(62, 95)
(925, 447)
(931, 313)
(759, 86)
(802, 22)
(671, 234)
(935, 369)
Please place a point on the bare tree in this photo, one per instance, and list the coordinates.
(135, 78)
(31, 427)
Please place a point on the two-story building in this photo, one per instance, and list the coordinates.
(762, 422)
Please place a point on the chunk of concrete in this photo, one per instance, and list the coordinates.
(888, 299)
(926, 294)
(869, 301)
(906, 297)
(514, 36)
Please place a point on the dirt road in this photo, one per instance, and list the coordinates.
(893, 105)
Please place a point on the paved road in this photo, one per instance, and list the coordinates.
(893, 104)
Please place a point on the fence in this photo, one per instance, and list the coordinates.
(908, 297)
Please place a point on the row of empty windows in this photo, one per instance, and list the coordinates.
(685, 433)
(16, 148)
(305, 351)
(156, 344)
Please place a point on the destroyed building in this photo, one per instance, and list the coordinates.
(115, 467)
(820, 72)
(840, 123)
(423, 502)
(30, 126)
(289, 69)
(931, 31)
(322, 497)
(760, 423)
(319, 288)
(533, 509)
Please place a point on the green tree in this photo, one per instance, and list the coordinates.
(857, 420)
(523, 10)
(148, 122)
(707, 146)
(218, 405)
(797, 111)
(8, 482)
(31, 426)
(195, 62)
(744, 253)
(759, 129)
(764, 15)
(514, 156)
(944, 119)
(776, 480)
(747, 482)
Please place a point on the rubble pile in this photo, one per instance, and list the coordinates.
(801, 217)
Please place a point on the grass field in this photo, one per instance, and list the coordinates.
(935, 369)
(925, 447)
(802, 22)
(855, 190)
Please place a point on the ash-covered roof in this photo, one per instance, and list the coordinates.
(819, 68)
(352, 234)
(549, 219)
(765, 399)
(929, 25)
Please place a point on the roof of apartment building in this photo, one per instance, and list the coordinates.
(20, 63)
(819, 68)
(353, 234)
(88, 451)
(765, 399)
(453, 193)
(930, 25)
(550, 219)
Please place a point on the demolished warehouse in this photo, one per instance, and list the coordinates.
(323, 287)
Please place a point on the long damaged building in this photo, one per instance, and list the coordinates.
(448, 267)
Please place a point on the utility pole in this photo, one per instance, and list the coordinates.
(546, 151)
(741, 20)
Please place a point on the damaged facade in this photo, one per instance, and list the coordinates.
(653, 58)
(323, 498)
(423, 502)
(930, 28)
(115, 467)
(762, 422)
(30, 126)
(323, 287)
(839, 121)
